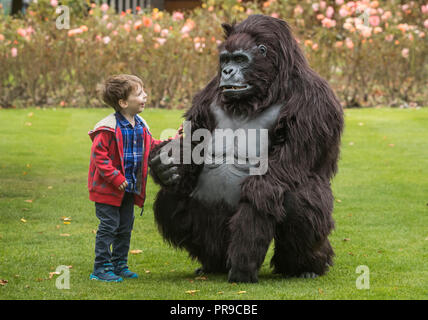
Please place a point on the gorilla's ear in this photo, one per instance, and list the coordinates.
(227, 28)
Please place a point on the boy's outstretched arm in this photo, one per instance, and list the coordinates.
(154, 142)
(103, 162)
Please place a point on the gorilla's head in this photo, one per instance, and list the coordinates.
(256, 61)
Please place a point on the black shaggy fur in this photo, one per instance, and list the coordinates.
(292, 202)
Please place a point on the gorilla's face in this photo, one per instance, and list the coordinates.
(244, 68)
(234, 67)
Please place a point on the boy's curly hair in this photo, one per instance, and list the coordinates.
(118, 87)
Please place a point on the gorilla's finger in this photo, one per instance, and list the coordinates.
(155, 161)
(162, 161)
(168, 173)
(173, 179)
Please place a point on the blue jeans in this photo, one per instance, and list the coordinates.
(114, 230)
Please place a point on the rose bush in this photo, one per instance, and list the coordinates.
(372, 52)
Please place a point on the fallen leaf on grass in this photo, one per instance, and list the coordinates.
(201, 278)
(147, 271)
(50, 187)
(220, 292)
(52, 273)
(347, 239)
(23, 220)
(137, 251)
(320, 291)
(28, 124)
(391, 145)
(241, 292)
(192, 291)
(29, 201)
(3, 282)
(64, 234)
(66, 220)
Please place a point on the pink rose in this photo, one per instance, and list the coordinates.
(157, 28)
(329, 12)
(315, 6)
(343, 12)
(426, 23)
(14, 52)
(328, 23)
(405, 53)
(349, 43)
(374, 20)
(22, 32)
(298, 10)
(389, 37)
(177, 16)
(164, 32)
(161, 41)
(366, 31)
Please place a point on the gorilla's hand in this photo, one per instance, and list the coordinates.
(165, 169)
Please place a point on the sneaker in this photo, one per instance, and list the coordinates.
(105, 273)
(121, 269)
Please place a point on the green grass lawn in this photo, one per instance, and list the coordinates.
(381, 214)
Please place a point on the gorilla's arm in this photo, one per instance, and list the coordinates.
(306, 143)
(182, 178)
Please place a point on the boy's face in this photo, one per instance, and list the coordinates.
(135, 102)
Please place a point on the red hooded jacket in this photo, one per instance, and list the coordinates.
(106, 167)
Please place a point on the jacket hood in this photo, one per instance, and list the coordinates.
(109, 123)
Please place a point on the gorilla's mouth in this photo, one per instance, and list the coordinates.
(234, 88)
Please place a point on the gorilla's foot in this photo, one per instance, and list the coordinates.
(242, 276)
(308, 275)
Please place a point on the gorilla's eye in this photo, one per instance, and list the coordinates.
(241, 59)
(262, 49)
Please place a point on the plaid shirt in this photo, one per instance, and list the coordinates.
(133, 151)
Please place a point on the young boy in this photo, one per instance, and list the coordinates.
(117, 178)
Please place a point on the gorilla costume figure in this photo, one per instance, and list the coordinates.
(226, 217)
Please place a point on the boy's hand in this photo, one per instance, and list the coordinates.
(179, 133)
(123, 185)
